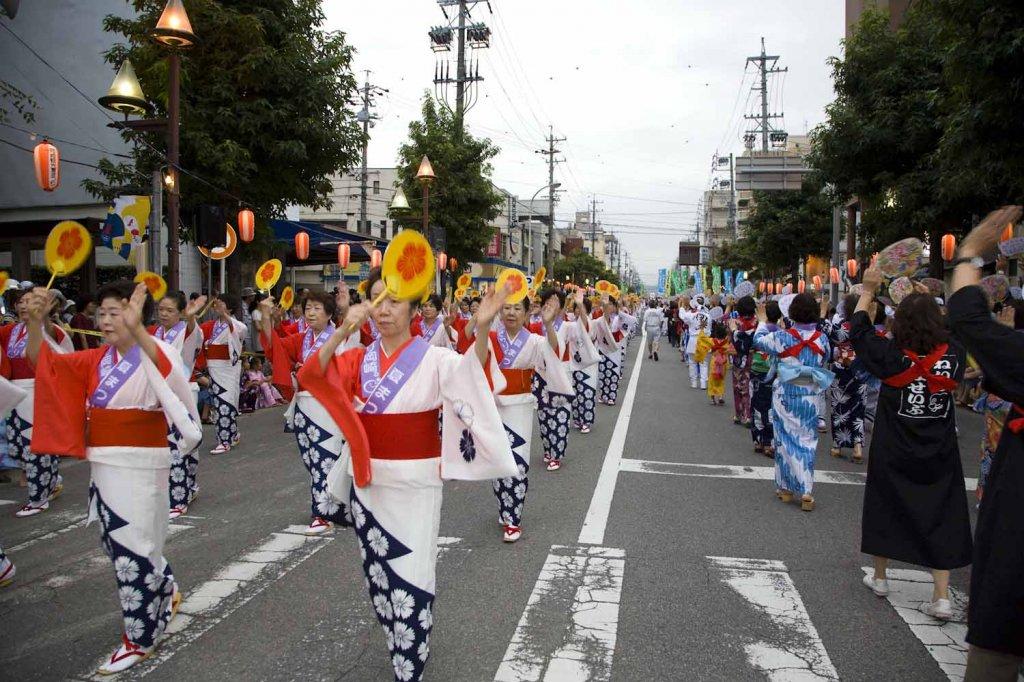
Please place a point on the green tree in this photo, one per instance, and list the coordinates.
(581, 266)
(462, 199)
(266, 105)
(20, 101)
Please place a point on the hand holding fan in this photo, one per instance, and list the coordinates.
(901, 259)
(67, 247)
(156, 284)
(900, 288)
(268, 274)
(517, 284)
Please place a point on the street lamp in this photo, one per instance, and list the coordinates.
(399, 202)
(425, 175)
(551, 187)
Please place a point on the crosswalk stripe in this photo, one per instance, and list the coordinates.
(945, 641)
(750, 473)
(798, 652)
(586, 626)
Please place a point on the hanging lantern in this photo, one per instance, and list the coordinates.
(246, 225)
(851, 268)
(817, 282)
(833, 275)
(800, 286)
(344, 255)
(442, 260)
(375, 258)
(453, 264)
(760, 287)
(948, 247)
(1007, 233)
(302, 245)
(47, 161)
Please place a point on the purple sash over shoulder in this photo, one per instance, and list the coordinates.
(114, 377)
(510, 349)
(169, 335)
(428, 332)
(381, 390)
(18, 342)
(310, 346)
(219, 328)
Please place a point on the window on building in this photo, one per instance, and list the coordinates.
(376, 186)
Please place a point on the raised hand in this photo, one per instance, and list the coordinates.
(984, 238)
(132, 315)
(194, 306)
(341, 299)
(40, 300)
(872, 279)
(762, 314)
(550, 310)
(491, 305)
(354, 318)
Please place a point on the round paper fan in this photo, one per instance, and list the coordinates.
(155, 283)
(268, 274)
(287, 298)
(901, 259)
(67, 247)
(517, 284)
(408, 266)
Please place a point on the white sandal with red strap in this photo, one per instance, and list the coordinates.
(124, 657)
(7, 572)
(31, 510)
(318, 526)
(512, 533)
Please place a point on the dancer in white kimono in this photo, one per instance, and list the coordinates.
(41, 470)
(554, 411)
(111, 405)
(610, 339)
(584, 363)
(516, 354)
(10, 396)
(318, 439)
(436, 326)
(385, 399)
(222, 350)
(185, 336)
(698, 324)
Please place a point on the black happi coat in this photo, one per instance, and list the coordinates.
(915, 502)
(995, 615)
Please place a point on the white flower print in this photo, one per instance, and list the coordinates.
(155, 609)
(362, 551)
(314, 433)
(358, 515)
(378, 543)
(44, 478)
(403, 667)
(225, 422)
(131, 598)
(390, 637)
(562, 430)
(378, 576)
(424, 650)
(178, 493)
(520, 491)
(154, 580)
(126, 568)
(518, 511)
(522, 472)
(33, 490)
(383, 606)
(404, 636)
(133, 628)
(303, 441)
(177, 475)
(31, 471)
(315, 474)
(299, 421)
(562, 417)
(426, 618)
(506, 500)
(326, 504)
(314, 456)
(402, 602)
(225, 409)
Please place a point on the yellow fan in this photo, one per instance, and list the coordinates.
(4, 277)
(268, 274)
(287, 298)
(464, 281)
(408, 266)
(67, 247)
(538, 278)
(474, 293)
(603, 286)
(517, 282)
(156, 284)
(460, 294)
(361, 288)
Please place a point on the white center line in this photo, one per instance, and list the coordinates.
(601, 502)
(796, 652)
(750, 473)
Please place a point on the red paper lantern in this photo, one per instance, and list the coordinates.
(442, 260)
(833, 275)
(948, 247)
(1007, 233)
(760, 287)
(246, 225)
(453, 264)
(47, 163)
(817, 282)
(851, 268)
(302, 245)
(800, 286)
(375, 258)
(778, 288)
(344, 255)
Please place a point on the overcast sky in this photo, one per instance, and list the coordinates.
(646, 92)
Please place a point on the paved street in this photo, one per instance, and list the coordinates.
(659, 552)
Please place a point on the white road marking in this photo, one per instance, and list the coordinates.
(74, 521)
(567, 631)
(600, 504)
(750, 473)
(4, 503)
(798, 653)
(945, 641)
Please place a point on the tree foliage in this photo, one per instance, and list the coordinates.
(581, 266)
(20, 101)
(266, 104)
(463, 199)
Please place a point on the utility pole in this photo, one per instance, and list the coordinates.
(472, 35)
(764, 125)
(551, 152)
(366, 118)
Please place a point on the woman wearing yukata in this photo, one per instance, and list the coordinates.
(608, 338)
(222, 350)
(846, 395)
(553, 410)
(435, 325)
(802, 352)
(385, 399)
(318, 439)
(111, 406)
(10, 395)
(915, 501)
(584, 364)
(185, 336)
(41, 470)
(517, 355)
(762, 378)
(742, 328)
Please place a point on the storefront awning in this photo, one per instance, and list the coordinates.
(324, 241)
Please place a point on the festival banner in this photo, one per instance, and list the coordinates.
(698, 285)
(125, 226)
(728, 281)
(716, 277)
(662, 276)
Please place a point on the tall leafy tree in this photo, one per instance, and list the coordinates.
(580, 266)
(266, 104)
(463, 199)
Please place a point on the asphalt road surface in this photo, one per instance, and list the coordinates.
(658, 552)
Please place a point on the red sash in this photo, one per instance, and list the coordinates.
(129, 428)
(218, 351)
(1016, 425)
(794, 351)
(407, 435)
(719, 345)
(517, 381)
(921, 366)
